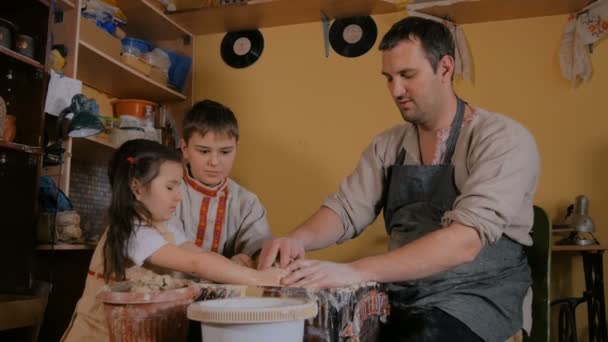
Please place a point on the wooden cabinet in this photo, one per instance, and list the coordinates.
(22, 86)
(105, 76)
(268, 13)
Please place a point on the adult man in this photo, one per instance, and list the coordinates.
(456, 184)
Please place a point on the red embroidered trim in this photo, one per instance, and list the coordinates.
(198, 187)
(99, 275)
(219, 222)
(202, 221)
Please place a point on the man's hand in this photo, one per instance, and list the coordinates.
(287, 249)
(321, 274)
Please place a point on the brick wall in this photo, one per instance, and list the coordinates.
(90, 194)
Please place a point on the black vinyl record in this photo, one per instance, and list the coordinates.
(240, 49)
(354, 36)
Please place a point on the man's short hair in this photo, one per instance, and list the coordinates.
(435, 38)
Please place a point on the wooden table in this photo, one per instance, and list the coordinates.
(593, 296)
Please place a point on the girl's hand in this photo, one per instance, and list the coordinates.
(243, 260)
(271, 276)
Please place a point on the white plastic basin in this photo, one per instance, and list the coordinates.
(252, 319)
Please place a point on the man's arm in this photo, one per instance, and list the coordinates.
(320, 230)
(433, 253)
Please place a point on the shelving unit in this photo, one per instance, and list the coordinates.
(288, 12)
(143, 12)
(469, 12)
(93, 149)
(23, 88)
(21, 58)
(89, 61)
(61, 4)
(65, 246)
(21, 147)
(65, 4)
(275, 13)
(113, 77)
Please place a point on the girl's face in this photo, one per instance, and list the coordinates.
(161, 196)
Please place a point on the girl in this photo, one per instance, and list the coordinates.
(145, 178)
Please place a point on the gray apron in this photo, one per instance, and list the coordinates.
(485, 294)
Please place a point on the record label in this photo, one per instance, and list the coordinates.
(241, 49)
(242, 46)
(354, 36)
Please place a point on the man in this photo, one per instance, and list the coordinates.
(456, 185)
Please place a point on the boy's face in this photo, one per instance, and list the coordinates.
(211, 156)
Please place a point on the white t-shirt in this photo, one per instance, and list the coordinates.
(146, 240)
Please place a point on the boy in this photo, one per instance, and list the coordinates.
(216, 213)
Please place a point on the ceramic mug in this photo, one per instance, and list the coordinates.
(24, 44)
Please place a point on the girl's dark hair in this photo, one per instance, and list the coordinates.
(134, 160)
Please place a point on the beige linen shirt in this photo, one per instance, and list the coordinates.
(242, 228)
(496, 171)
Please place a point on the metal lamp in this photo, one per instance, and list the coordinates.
(84, 124)
(579, 224)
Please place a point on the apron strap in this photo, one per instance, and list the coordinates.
(400, 157)
(454, 132)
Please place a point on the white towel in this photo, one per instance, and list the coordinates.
(463, 57)
(582, 30)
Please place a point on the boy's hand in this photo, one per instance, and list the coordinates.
(243, 260)
(287, 249)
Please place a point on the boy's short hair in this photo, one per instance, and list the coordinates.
(210, 116)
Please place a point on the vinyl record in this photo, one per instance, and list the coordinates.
(240, 49)
(354, 36)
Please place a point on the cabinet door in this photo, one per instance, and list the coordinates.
(18, 216)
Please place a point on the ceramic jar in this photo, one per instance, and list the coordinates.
(6, 33)
(10, 128)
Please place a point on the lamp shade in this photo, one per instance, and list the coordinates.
(84, 124)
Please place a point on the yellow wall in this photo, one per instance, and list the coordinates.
(305, 119)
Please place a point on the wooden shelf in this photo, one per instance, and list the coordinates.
(61, 4)
(141, 13)
(102, 139)
(66, 4)
(18, 311)
(95, 149)
(275, 13)
(573, 248)
(20, 147)
(65, 246)
(102, 72)
(469, 12)
(21, 58)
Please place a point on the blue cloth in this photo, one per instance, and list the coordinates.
(51, 198)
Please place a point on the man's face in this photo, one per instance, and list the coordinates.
(411, 80)
(211, 157)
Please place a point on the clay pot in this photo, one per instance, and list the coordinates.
(148, 316)
(10, 128)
